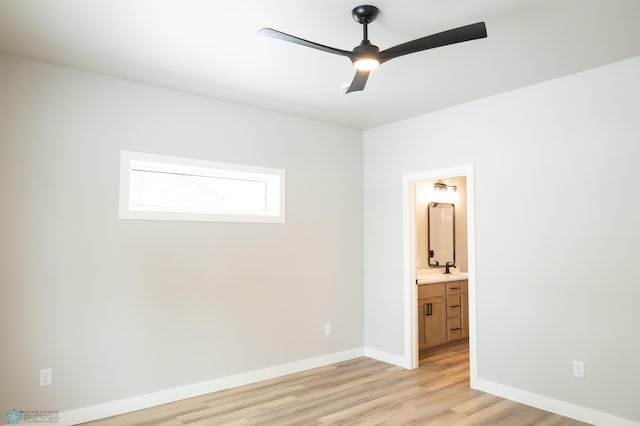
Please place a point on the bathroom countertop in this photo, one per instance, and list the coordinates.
(439, 278)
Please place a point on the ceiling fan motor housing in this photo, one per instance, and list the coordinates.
(366, 50)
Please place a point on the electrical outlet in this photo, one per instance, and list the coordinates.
(46, 377)
(578, 369)
(327, 329)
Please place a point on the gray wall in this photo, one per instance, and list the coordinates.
(557, 232)
(120, 308)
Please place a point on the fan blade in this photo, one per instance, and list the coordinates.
(270, 32)
(455, 35)
(358, 81)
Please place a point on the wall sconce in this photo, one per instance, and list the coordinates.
(439, 186)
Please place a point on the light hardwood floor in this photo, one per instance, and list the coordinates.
(362, 391)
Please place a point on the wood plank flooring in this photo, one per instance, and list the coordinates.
(362, 391)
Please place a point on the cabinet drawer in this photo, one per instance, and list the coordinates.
(454, 330)
(454, 306)
(453, 287)
(430, 290)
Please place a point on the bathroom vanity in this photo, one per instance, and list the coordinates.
(443, 314)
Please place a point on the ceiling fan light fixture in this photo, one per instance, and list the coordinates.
(366, 56)
(366, 64)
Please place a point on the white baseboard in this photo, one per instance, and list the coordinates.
(398, 360)
(556, 406)
(140, 402)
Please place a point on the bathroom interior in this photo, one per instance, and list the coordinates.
(441, 264)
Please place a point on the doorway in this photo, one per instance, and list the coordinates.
(410, 181)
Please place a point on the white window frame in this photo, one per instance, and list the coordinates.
(274, 178)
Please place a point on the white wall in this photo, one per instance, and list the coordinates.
(120, 308)
(557, 232)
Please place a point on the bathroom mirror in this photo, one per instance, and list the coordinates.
(441, 241)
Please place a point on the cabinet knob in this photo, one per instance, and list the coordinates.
(454, 306)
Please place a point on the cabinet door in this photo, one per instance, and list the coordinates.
(435, 322)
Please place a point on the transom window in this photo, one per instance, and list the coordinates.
(172, 188)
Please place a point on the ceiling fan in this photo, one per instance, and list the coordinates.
(367, 56)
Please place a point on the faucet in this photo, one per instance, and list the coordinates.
(446, 267)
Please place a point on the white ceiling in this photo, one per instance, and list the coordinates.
(211, 48)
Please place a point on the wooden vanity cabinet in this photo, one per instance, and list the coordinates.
(442, 313)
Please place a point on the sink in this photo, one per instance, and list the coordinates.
(438, 278)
